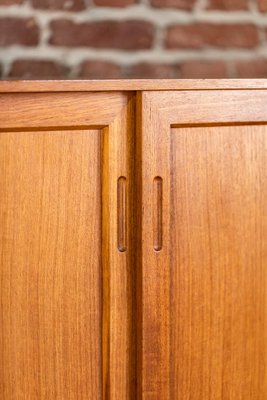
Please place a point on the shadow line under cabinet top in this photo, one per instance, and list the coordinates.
(12, 86)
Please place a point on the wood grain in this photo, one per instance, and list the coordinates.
(219, 281)
(133, 265)
(203, 323)
(214, 107)
(129, 85)
(50, 265)
(154, 272)
(47, 110)
(119, 328)
(67, 310)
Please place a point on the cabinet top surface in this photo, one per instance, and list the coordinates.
(129, 85)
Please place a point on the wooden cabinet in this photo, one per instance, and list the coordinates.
(133, 240)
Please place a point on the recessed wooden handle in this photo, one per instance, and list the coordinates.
(157, 213)
(122, 213)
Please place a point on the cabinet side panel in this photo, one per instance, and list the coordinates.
(50, 234)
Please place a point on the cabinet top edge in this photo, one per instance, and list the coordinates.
(21, 86)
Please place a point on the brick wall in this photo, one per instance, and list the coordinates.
(133, 39)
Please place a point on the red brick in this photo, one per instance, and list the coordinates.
(100, 70)
(182, 4)
(71, 5)
(152, 71)
(10, 2)
(227, 5)
(252, 69)
(18, 31)
(262, 4)
(127, 35)
(203, 69)
(114, 3)
(37, 69)
(201, 35)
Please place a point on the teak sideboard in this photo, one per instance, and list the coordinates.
(133, 240)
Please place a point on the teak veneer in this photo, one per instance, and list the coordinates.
(133, 240)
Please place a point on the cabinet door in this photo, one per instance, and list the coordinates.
(65, 234)
(204, 245)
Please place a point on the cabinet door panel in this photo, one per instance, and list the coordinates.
(51, 264)
(66, 290)
(218, 265)
(204, 293)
